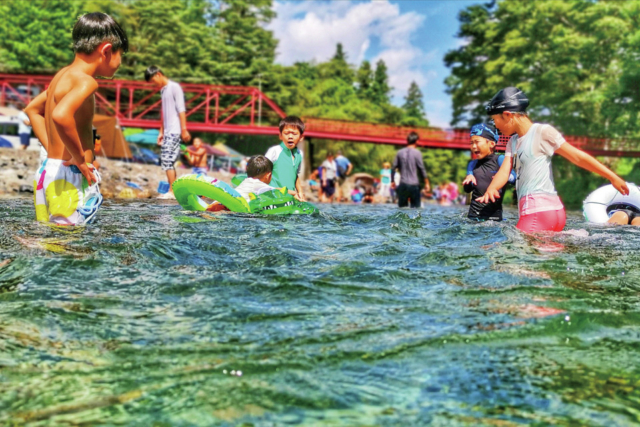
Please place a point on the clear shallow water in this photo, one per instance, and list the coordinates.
(360, 316)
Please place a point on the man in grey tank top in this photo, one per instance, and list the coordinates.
(409, 161)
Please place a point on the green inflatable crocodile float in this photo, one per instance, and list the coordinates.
(189, 190)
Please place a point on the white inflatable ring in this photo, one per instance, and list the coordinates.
(597, 205)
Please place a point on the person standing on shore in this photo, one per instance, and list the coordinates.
(24, 129)
(174, 123)
(411, 166)
(329, 172)
(344, 168)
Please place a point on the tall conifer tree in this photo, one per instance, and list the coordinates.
(380, 87)
(413, 103)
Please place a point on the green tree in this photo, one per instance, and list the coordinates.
(205, 41)
(380, 88)
(365, 79)
(247, 48)
(569, 57)
(340, 54)
(413, 103)
(35, 36)
(414, 107)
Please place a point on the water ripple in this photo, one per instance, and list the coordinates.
(362, 315)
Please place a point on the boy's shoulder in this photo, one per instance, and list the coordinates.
(73, 78)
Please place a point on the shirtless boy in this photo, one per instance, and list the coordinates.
(198, 157)
(66, 186)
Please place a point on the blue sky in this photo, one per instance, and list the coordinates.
(411, 36)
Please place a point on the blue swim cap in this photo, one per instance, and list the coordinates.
(486, 131)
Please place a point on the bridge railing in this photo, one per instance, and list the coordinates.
(246, 110)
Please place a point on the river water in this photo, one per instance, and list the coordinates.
(363, 315)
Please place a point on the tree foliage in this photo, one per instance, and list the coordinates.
(576, 60)
(414, 106)
(35, 36)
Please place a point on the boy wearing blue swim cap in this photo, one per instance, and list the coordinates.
(480, 173)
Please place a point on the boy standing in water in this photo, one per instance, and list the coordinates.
(530, 150)
(66, 186)
(287, 158)
(481, 171)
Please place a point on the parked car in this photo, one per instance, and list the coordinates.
(21, 93)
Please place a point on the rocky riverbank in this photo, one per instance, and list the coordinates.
(119, 179)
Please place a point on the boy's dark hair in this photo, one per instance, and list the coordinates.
(258, 166)
(412, 138)
(329, 153)
(92, 29)
(151, 71)
(292, 121)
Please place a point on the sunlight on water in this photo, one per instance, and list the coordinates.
(363, 315)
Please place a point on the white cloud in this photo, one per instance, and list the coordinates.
(310, 31)
(438, 113)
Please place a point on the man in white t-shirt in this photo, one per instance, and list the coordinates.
(329, 173)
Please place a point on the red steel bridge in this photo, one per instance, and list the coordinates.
(246, 110)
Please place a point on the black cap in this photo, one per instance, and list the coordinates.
(508, 99)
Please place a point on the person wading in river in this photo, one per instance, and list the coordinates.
(411, 166)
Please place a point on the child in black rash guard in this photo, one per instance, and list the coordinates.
(481, 171)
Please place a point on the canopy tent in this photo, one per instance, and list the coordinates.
(113, 142)
(149, 136)
(229, 152)
(363, 179)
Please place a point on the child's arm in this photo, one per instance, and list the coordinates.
(471, 165)
(512, 175)
(35, 111)
(586, 161)
(470, 179)
(499, 181)
(161, 133)
(64, 118)
(299, 191)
